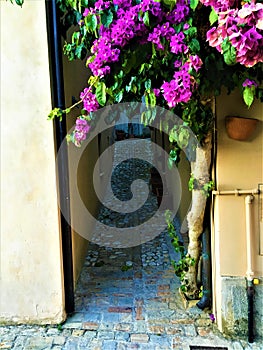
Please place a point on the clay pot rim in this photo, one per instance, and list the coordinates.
(239, 117)
(240, 128)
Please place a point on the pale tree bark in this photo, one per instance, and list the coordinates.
(195, 217)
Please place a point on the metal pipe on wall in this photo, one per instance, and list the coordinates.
(60, 132)
(206, 300)
(250, 286)
(249, 238)
(236, 192)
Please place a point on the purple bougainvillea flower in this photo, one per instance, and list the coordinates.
(249, 83)
(212, 317)
(178, 89)
(102, 5)
(196, 62)
(90, 102)
(81, 130)
(218, 5)
(156, 92)
(177, 43)
(179, 13)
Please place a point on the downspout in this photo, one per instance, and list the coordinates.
(206, 299)
(250, 286)
(249, 274)
(60, 132)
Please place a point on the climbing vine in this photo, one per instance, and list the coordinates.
(206, 187)
(181, 265)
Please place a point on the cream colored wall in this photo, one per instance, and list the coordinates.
(31, 276)
(238, 166)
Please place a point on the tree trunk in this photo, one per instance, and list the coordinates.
(195, 217)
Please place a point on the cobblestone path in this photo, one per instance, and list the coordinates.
(126, 298)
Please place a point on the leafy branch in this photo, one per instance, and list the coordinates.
(182, 265)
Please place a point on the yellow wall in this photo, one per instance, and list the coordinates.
(31, 276)
(238, 166)
(75, 80)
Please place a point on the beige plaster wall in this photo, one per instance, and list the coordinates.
(238, 166)
(31, 277)
(74, 81)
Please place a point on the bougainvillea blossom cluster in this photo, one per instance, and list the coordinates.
(81, 130)
(121, 24)
(242, 27)
(89, 100)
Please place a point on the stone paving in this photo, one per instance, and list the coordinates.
(127, 298)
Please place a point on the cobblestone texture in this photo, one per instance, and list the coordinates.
(126, 299)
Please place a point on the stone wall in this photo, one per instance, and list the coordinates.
(235, 307)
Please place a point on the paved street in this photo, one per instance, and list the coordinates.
(127, 298)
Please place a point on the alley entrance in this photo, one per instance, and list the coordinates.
(131, 291)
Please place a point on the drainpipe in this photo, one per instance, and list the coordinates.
(206, 300)
(60, 132)
(250, 286)
(249, 274)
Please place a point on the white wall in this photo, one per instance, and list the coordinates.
(31, 276)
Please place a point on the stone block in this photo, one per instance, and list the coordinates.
(124, 327)
(119, 309)
(77, 332)
(139, 338)
(91, 326)
(109, 345)
(39, 343)
(59, 340)
(157, 329)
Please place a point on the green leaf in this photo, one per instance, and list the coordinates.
(170, 3)
(129, 63)
(152, 99)
(101, 93)
(19, 2)
(91, 22)
(78, 51)
(229, 52)
(213, 17)
(107, 18)
(55, 113)
(190, 32)
(194, 4)
(194, 45)
(248, 95)
(146, 19)
(148, 84)
(119, 97)
(183, 137)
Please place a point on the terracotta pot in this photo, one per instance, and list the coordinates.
(239, 128)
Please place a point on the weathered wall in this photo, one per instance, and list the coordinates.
(238, 166)
(31, 276)
(75, 80)
(75, 77)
